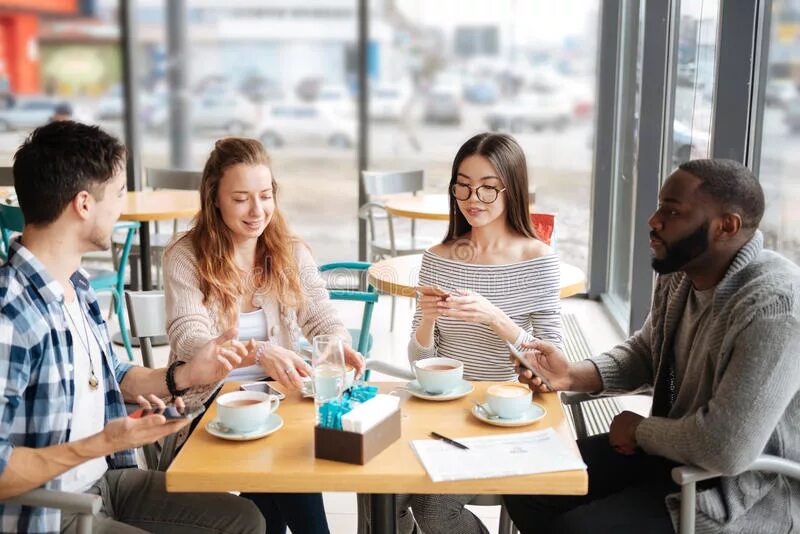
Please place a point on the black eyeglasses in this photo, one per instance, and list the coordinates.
(485, 193)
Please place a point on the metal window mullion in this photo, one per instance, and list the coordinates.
(603, 168)
(128, 35)
(363, 116)
(760, 78)
(660, 21)
(738, 33)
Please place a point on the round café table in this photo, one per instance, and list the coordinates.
(161, 205)
(400, 275)
(147, 206)
(431, 207)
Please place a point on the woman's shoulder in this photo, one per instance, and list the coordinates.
(180, 249)
(531, 249)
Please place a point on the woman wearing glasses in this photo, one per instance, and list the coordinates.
(503, 285)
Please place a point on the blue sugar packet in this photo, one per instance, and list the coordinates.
(362, 393)
(330, 413)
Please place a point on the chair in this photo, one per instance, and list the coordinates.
(114, 280)
(362, 339)
(687, 477)
(545, 226)
(378, 184)
(148, 319)
(85, 505)
(161, 179)
(12, 220)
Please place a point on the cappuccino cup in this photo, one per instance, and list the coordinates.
(438, 375)
(245, 411)
(509, 401)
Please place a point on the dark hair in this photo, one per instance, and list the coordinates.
(508, 159)
(732, 185)
(58, 161)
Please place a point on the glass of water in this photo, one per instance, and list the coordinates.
(327, 361)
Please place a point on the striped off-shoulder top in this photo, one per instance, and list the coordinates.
(527, 291)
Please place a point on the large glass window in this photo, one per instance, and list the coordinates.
(443, 71)
(57, 60)
(694, 81)
(282, 72)
(780, 148)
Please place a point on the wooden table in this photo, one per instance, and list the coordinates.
(431, 207)
(162, 205)
(284, 461)
(400, 276)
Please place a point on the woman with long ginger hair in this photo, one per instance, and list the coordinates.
(239, 266)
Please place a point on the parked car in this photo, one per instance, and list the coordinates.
(386, 102)
(687, 143)
(779, 93)
(230, 113)
(260, 89)
(532, 111)
(792, 116)
(29, 112)
(481, 92)
(443, 105)
(111, 107)
(303, 122)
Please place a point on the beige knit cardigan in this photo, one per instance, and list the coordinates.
(191, 324)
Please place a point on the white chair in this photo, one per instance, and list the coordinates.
(687, 477)
(378, 184)
(85, 505)
(506, 526)
(148, 319)
(160, 179)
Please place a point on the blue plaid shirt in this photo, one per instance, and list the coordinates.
(36, 373)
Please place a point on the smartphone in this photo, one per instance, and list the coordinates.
(263, 387)
(527, 365)
(430, 291)
(171, 413)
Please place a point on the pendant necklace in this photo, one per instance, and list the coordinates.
(93, 382)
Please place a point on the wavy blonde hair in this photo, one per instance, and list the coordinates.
(275, 271)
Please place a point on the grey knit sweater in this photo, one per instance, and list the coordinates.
(741, 400)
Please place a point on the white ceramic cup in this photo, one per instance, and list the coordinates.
(245, 411)
(438, 375)
(509, 401)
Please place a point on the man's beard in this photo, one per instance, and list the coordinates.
(99, 240)
(679, 254)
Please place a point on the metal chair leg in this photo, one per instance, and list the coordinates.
(506, 525)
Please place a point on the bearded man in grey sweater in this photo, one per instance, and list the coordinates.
(720, 352)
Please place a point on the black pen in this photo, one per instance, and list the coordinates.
(450, 441)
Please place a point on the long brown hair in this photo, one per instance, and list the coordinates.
(275, 271)
(508, 159)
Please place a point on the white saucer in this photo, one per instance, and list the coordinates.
(531, 415)
(461, 390)
(273, 423)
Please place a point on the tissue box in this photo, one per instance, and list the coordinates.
(354, 448)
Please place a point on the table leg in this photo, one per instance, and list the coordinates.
(144, 252)
(382, 517)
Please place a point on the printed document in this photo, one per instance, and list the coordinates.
(502, 455)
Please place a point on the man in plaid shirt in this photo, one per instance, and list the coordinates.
(62, 389)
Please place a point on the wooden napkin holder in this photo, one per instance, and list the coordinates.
(354, 448)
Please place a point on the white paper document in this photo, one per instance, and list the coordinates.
(503, 455)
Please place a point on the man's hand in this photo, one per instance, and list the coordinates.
(549, 361)
(129, 433)
(622, 435)
(214, 361)
(354, 358)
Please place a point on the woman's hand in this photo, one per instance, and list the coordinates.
(354, 358)
(431, 308)
(470, 307)
(281, 364)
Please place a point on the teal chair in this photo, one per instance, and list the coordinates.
(11, 220)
